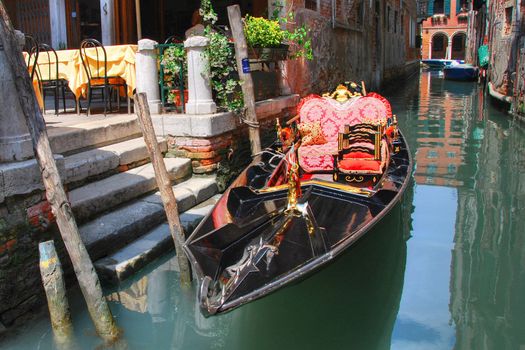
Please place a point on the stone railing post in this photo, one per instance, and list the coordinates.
(148, 73)
(200, 99)
(15, 141)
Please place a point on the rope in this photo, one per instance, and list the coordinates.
(252, 124)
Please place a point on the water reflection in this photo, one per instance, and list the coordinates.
(488, 283)
(464, 281)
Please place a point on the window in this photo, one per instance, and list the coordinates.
(395, 21)
(508, 21)
(439, 6)
(458, 42)
(437, 43)
(311, 4)
(387, 18)
(360, 14)
(402, 25)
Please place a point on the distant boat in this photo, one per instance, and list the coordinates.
(462, 72)
(440, 63)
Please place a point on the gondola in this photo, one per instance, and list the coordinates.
(299, 205)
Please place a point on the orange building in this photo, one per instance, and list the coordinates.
(445, 31)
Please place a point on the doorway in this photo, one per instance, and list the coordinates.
(439, 46)
(83, 21)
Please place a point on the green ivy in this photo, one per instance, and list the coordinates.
(173, 60)
(298, 38)
(221, 63)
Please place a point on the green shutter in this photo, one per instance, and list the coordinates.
(447, 7)
(430, 8)
(458, 6)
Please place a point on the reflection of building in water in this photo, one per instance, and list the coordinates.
(488, 282)
(442, 131)
(164, 315)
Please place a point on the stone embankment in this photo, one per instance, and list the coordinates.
(111, 185)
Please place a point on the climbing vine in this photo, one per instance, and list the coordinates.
(221, 62)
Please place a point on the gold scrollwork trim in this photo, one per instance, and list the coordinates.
(354, 178)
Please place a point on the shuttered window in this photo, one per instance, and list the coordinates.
(447, 7)
(430, 8)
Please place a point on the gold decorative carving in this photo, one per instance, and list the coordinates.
(354, 178)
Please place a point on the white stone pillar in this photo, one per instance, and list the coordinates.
(449, 49)
(57, 16)
(148, 74)
(15, 141)
(200, 99)
(107, 22)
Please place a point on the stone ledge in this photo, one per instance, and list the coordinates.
(24, 177)
(210, 125)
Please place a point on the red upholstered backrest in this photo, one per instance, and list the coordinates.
(334, 115)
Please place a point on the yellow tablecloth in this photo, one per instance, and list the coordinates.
(120, 63)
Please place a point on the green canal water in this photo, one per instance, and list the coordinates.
(444, 270)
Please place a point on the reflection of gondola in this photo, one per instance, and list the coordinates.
(359, 294)
(262, 234)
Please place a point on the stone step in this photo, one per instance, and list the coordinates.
(111, 231)
(107, 193)
(123, 263)
(65, 139)
(83, 165)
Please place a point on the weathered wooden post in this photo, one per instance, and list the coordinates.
(164, 183)
(241, 53)
(53, 281)
(84, 269)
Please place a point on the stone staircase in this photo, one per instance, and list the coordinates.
(113, 193)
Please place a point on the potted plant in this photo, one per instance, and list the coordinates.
(268, 41)
(174, 69)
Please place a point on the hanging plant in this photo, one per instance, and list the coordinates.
(221, 63)
(269, 33)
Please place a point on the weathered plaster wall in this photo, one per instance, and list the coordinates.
(373, 50)
(502, 36)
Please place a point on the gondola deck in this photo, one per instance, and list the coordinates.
(254, 242)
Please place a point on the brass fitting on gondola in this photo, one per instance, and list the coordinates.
(294, 187)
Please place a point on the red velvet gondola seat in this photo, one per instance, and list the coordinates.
(363, 150)
(332, 117)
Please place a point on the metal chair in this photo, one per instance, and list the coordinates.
(174, 39)
(97, 74)
(32, 49)
(51, 80)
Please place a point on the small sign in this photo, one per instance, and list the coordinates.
(245, 65)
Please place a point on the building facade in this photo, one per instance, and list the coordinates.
(444, 33)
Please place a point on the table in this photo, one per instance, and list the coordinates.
(120, 63)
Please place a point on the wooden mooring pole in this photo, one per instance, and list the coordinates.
(84, 269)
(54, 286)
(164, 183)
(241, 54)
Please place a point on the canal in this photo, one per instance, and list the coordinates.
(444, 270)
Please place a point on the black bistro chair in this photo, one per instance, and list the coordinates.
(32, 49)
(97, 75)
(48, 72)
